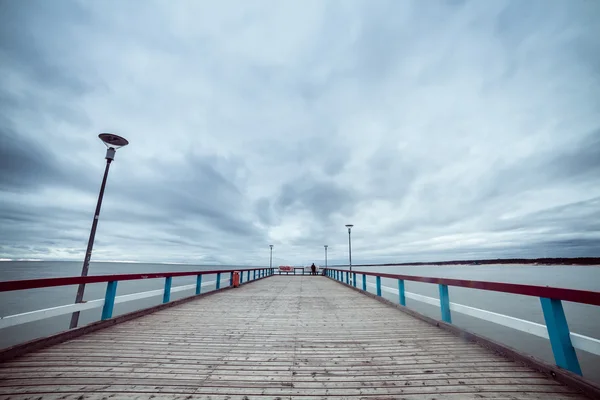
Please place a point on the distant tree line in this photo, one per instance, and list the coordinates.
(546, 261)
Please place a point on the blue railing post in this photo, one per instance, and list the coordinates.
(254, 275)
(347, 277)
(364, 282)
(231, 279)
(248, 277)
(354, 279)
(167, 293)
(198, 284)
(218, 280)
(401, 294)
(560, 337)
(241, 277)
(109, 300)
(445, 304)
(378, 281)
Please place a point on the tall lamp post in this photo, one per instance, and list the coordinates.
(271, 257)
(326, 255)
(349, 226)
(112, 142)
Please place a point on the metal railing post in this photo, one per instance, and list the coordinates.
(354, 279)
(445, 304)
(364, 287)
(378, 282)
(167, 292)
(401, 295)
(109, 300)
(218, 285)
(560, 337)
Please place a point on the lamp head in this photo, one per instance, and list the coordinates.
(112, 142)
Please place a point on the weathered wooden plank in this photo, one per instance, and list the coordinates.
(154, 396)
(283, 339)
(287, 390)
(265, 382)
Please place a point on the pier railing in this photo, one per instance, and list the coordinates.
(563, 342)
(111, 298)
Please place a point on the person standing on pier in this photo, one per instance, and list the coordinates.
(313, 269)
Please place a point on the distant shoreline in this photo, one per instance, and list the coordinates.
(538, 261)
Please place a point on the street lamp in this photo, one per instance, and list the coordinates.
(349, 226)
(326, 255)
(112, 142)
(271, 258)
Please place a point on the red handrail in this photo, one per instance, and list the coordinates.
(574, 295)
(8, 286)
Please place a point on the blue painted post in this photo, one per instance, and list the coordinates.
(560, 337)
(167, 293)
(354, 279)
(241, 277)
(218, 286)
(109, 300)
(254, 275)
(347, 277)
(364, 282)
(198, 284)
(248, 277)
(378, 282)
(445, 304)
(401, 294)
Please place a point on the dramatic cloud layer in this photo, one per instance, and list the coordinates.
(441, 129)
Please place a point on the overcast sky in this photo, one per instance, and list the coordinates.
(440, 129)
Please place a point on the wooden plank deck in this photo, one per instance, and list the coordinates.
(280, 338)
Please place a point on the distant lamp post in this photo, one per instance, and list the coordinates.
(349, 226)
(112, 142)
(326, 255)
(271, 257)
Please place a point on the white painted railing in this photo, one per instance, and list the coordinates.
(37, 315)
(585, 343)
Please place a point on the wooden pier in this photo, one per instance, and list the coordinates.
(284, 337)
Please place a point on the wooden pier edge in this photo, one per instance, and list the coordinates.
(18, 350)
(561, 375)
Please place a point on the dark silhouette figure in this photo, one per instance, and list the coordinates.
(313, 269)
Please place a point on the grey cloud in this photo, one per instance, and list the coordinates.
(24, 26)
(23, 162)
(428, 126)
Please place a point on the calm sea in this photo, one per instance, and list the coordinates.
(582, 319)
